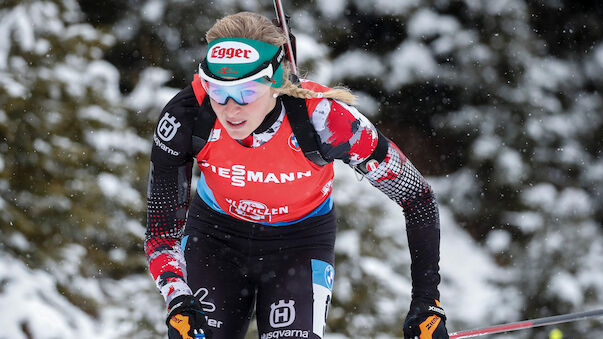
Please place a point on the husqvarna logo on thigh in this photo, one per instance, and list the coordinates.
(167, 127)
(282, 314)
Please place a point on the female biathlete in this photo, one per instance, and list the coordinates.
(261, 229)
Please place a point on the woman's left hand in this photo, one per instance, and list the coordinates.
(186, 319)
(425, 319)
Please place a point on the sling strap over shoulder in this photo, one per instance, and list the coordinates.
(304, 132)
(204, 122)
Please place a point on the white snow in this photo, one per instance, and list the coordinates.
(494, 7)
(97, 113)
(570, 202)
(103, 77)
(12, 87)
(357, 64)
(19, 241)
(23, 29)
(127, 141)
(549, 73)
(458, 190)
(42, 146)
(149, 92)
(427, 23)
(410, 62)
(331, 8)
(153, 10)
(498, 241)
(566, 287)
(510, 167)
(309, 49)
(83, 31)
(387, 7)
(527, 221)
(25, 290)
(394, 281)
(541, 196)
(461, 257)
(367, 105)
(117, 189)
(598, 55)
(486, 146)
(348, 242)
(573, 202)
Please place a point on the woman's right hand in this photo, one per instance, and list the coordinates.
(186, 319)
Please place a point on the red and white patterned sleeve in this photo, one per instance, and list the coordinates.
(347, 135)
(168, 195)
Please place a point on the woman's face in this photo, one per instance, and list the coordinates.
(241, 120)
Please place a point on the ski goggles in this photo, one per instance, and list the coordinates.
(242, 93)
(242, 90)
(241, 69)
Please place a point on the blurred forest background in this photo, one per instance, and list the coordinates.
(498, 103)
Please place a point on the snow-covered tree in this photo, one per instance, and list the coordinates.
(497, 102)
(72, 174)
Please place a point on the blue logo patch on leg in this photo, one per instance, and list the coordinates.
(323, 275)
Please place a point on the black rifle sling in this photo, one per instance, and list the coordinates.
(204, 122)
(297, 112)
(304, 132)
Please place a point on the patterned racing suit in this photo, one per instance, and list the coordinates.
(285, 269)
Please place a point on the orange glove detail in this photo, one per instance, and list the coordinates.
(425, 320)
(181, 324)
(186, 319)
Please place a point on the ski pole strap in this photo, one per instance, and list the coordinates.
(428, 308)
(558, 319)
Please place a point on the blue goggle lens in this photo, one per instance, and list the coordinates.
(242, 94)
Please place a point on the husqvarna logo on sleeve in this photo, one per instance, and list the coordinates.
(167, 127)
(232, 52)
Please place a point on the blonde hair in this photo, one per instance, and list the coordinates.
(257, 27)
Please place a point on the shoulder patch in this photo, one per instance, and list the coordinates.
(167, 127)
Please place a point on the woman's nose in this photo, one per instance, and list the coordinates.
(230, 102)
(232, 108)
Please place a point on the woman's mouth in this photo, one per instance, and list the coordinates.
(235, 123)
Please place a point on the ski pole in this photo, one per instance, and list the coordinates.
(282, 19)
(558, 319)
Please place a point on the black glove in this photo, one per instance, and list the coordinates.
(425, 320)
(186, 319)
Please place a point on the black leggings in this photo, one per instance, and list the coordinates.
(286, 272)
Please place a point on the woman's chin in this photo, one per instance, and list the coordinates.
(238, 133)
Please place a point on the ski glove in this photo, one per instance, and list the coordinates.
(186, 319)
(425, 320)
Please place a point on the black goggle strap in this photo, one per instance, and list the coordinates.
(274, 62)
